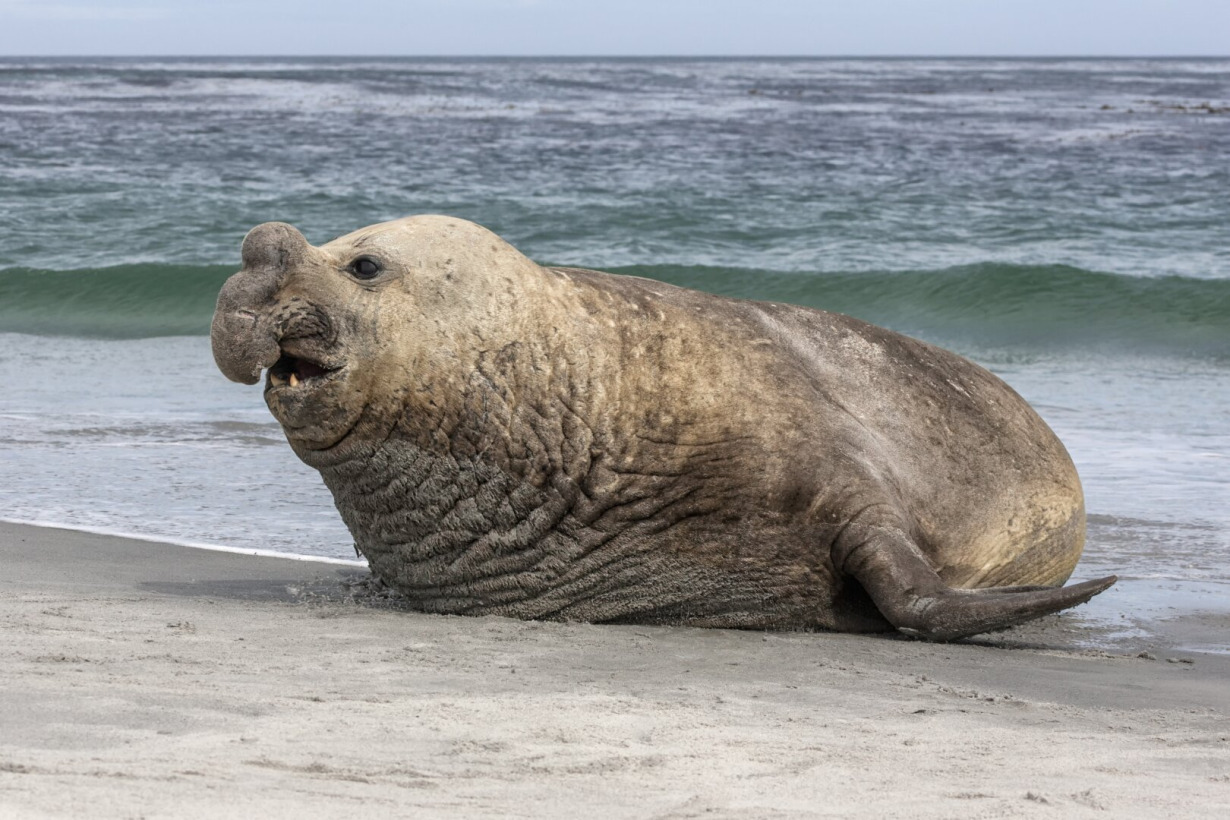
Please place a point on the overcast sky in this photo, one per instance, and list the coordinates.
(616, 27)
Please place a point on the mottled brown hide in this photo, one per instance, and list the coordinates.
(503, 438)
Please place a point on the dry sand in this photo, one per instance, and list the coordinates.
(149, 680)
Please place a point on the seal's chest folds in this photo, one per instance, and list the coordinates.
(464, 536)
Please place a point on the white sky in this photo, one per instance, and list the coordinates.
(616, 27)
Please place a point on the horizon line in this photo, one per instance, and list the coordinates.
(460, 56)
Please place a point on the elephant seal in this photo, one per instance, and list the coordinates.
(555, 443)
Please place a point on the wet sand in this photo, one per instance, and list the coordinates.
(144, 679)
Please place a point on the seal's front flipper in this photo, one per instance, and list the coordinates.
(911, 596)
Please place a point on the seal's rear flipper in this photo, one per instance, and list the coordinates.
(911, 596)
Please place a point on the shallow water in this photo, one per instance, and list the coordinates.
(1061, 222)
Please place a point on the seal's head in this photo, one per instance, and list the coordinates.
(347, 329)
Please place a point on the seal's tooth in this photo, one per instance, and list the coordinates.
(276, 379)
(294, 380)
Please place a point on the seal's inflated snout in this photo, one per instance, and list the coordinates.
(274, 246)
(243, 335)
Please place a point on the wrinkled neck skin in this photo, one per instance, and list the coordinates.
(495, 481)
(527, 408)
(517, 401)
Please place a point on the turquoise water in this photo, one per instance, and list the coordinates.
(1051, 309)
(1061, 222)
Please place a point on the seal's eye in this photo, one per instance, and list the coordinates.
(365, 268)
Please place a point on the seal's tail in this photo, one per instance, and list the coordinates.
(913, 598)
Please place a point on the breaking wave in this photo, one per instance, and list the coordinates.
(1044, 308)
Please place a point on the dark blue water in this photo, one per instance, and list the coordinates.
(1062, 222)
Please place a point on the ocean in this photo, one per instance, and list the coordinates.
(1064, 223)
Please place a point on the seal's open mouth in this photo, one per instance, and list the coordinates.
(295, 370)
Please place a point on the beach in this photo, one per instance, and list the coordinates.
(154, 680)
